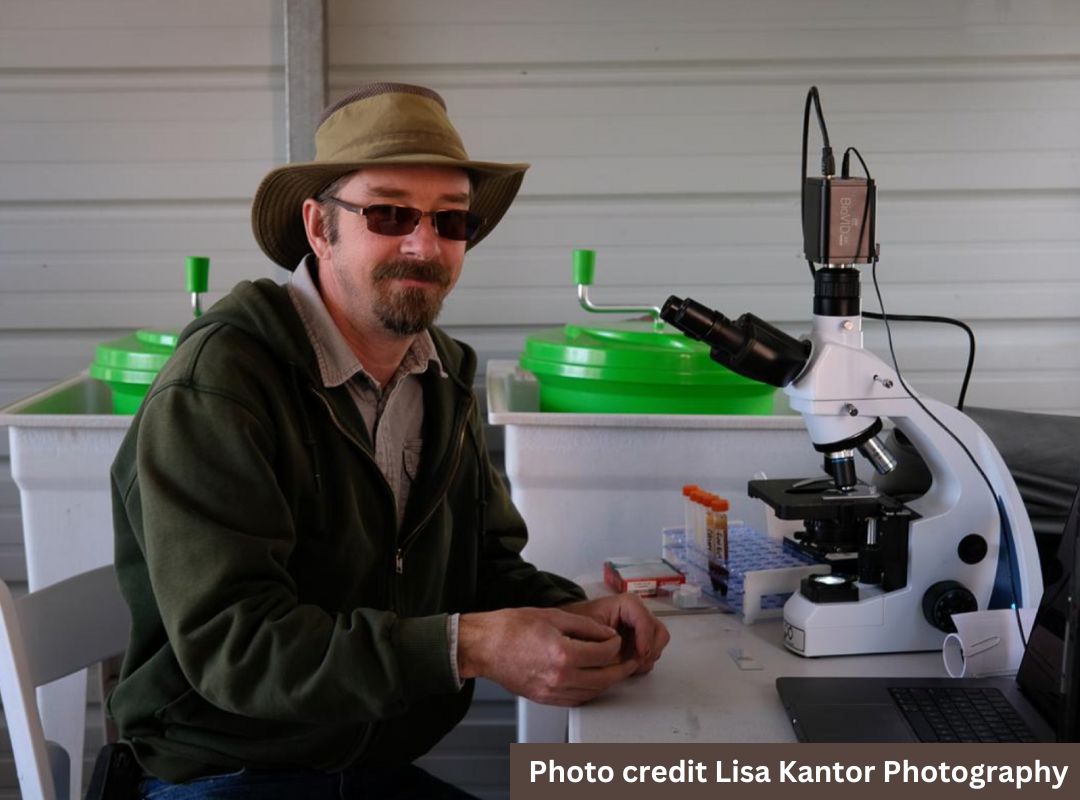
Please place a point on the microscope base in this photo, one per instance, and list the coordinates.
(885, 623)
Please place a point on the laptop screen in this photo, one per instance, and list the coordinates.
(1047, 673)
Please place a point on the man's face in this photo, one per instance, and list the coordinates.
(395, 283)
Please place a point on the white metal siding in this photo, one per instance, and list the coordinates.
(665, 135)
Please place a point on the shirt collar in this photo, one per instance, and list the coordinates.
(337, 362)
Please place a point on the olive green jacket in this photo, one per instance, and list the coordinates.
(280, 615)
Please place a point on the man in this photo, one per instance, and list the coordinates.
(316, 550)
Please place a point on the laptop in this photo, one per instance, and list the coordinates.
(1039, 705)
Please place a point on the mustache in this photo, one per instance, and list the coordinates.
(430, 271)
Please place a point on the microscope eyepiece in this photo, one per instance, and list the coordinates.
(749, 345)
(703, 324)
(671, 311)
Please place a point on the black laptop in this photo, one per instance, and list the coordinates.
(1039, 705)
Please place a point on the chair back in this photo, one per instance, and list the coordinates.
(45, 635)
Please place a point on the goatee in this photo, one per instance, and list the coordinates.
(412, 309)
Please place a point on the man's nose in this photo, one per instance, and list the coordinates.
(423, 242)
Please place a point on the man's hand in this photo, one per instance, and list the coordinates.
(547, 655)
(644, 635)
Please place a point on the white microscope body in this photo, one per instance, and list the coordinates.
(901, 568)
(841, 391)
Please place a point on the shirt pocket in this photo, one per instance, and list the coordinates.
(410, 459)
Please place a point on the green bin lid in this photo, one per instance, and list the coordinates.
(134, 359)
(131, 363)
(632, 352)
(636, 368)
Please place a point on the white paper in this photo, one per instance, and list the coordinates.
(986, 643)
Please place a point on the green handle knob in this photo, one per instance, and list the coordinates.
(197, 269)
(584, 267)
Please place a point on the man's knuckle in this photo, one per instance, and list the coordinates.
(559, 658)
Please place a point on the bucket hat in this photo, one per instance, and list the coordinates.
(379, 124)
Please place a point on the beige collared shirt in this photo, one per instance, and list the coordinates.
(393, 414)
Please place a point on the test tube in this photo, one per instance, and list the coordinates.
(710, 528)
(688, 510)
(720, 519)
(700, 497)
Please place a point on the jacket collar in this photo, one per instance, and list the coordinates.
(264, 311)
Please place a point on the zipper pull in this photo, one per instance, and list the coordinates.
(399, 561)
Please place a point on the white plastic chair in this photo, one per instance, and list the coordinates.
(46, 635)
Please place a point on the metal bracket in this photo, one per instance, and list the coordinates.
(305, 75)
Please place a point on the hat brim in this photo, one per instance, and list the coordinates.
(276, 211)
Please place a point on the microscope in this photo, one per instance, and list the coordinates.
(901, 568)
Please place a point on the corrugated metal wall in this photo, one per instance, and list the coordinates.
(665, 135)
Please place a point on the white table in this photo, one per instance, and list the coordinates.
(716, 683)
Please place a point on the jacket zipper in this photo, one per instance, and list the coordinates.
(403, 544)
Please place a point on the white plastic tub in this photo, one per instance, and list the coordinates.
(63, 441)
(591, 486)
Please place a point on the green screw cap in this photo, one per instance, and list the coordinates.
(584, 267)
(198, 273)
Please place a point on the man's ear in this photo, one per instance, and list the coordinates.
(315, 228)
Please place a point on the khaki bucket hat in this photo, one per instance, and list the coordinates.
(379, 124)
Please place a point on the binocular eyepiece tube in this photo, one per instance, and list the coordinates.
(749, 346)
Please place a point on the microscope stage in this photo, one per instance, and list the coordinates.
(799, 498)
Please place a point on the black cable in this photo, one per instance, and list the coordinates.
(871, 250)
(844, 172)
(946, 321)
(844, 166)
(1017, 600)
(828, 166)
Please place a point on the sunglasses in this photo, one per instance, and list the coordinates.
(455, 224)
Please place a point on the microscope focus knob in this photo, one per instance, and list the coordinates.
(944, 599)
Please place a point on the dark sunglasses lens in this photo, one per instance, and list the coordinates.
(392, 220)
(457, 224)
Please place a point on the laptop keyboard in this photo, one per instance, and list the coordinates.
(961, 715)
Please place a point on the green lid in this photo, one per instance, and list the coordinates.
(141, 354)
(634, 367)
(163, 339)
(130, 364)
(632, 351)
